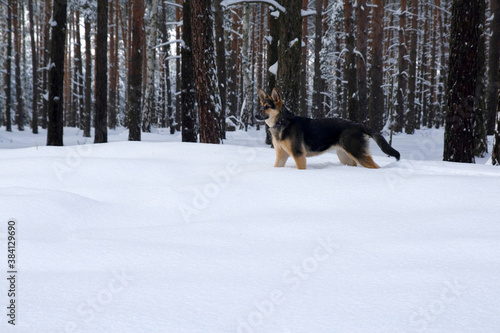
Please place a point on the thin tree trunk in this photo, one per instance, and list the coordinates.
(319, 82)
(135, 72)
(402, 67)
(376, 103)
(464, 44)
(412, 80)
(204, 70)
(493, 69)
(46, 61)
(221, 63)
(351, 90)
(289, 54)
(88, 80)
(16, 18)
(101, 81)
(113, 66)
(8, 73)
(188, 92)
(34, 66)
(361, 46)
(56, 74)
(79, 70)
(246, 112)
(149, 103)
(303, 64)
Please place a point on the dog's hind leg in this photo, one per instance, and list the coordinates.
(368, 162)
(281, 158)
(345, 158)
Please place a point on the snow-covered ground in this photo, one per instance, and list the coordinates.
(164, 236)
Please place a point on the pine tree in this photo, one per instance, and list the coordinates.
(361, 47)
(56, 74)
(412, 80)
(34, 68)
(16, 23)
(87, 111)
(101, 81)
(8, 73)
(289, 54)
(402, 70)
(149, 102)
(493, 69)
(376, 101)
(464, 45)
(204, 70)
(351, 90)
(188, 92)
(319, 82)
(135, 72)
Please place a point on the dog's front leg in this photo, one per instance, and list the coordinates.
(300, 160)
(281, 158)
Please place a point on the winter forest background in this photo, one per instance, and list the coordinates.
(195, 66)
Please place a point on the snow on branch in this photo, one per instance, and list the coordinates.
(227, 3)
(307, 12)
(169, 42)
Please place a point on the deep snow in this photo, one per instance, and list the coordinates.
(164, 236)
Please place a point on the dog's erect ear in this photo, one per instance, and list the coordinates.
(276, 99)
(262, 95)
(276, 96)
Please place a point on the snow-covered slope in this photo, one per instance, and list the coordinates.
(163, 236)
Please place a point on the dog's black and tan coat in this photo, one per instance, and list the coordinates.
(301, 137)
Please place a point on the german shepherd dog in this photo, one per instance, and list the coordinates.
(301, 137)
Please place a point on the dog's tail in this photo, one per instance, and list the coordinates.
(381, 142)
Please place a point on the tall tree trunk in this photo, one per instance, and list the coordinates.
(88, 80)
(376, 103)
(495, 154)
(246, 72)
(188, 91)
(8, 73)
(205, 70)
(272, 59)
(411, 118)
(351, 90)
(34, 67)
(493, 69)
(402, 67)
(16, 18)
(424, 94)
(101, 80)
(480, 139)
(303, 60)
(113, 65)
(79, 70)
(289, 54)
(464, 44)
(319, 82)
(46, 61)
(56, 74)
(221, 63)
(149, 98)
(361, 46)
(135, 72)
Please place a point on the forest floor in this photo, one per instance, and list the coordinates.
(164, 236)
